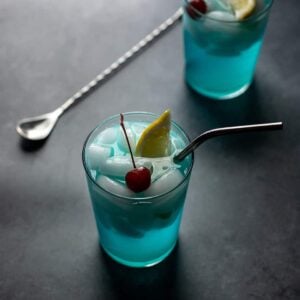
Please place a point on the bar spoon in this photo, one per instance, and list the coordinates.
(39, 127)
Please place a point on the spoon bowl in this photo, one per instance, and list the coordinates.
(38, 128)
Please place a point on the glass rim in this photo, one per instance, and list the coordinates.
(128, 198)
(248, 19)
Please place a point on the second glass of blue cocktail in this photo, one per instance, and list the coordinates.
(222, 41)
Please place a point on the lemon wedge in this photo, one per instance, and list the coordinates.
(155, 139)
(242, 8)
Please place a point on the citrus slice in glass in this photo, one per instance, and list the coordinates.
(155, 139)
(242, 8)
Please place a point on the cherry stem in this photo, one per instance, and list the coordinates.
(126, 136)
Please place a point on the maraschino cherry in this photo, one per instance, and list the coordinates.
(138, 179)
(195, 6)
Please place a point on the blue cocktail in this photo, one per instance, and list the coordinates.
(220, 51)
(137, 229)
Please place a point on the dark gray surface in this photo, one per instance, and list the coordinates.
(240, 234)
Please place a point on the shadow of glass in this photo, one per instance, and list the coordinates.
(245, 109)
(157, 282)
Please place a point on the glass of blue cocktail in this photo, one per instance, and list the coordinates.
(137, 225)
(222, 41)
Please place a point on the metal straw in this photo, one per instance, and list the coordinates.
(222, 131)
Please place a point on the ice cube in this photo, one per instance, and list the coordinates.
(119, 166)
(165, 183)
(177, 145)
(164, 216)
(214, 31)
(122, 142)
(220, 5)
(114, 187)
(165, 209)
(97, 155)
(103, 218)
(107, 136)
(94, 174)
(160, 166)
(221, 34)
(123, 225)
(172, 148)
(138, 129)
(230, 38)
(221, 16)
(144, 162)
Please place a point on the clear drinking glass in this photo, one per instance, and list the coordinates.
(138, 230)
(221, 55)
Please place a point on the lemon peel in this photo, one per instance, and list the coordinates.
(242, 8)
(155, 139)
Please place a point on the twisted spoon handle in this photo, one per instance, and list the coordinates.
(121, 60)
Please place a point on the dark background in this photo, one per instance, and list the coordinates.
(239, 237)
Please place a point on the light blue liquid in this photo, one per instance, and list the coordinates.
(220, 57)
(138, 247)
(139, 235)
(216, 75)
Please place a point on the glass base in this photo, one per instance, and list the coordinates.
(216, 95)
(140, 264)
